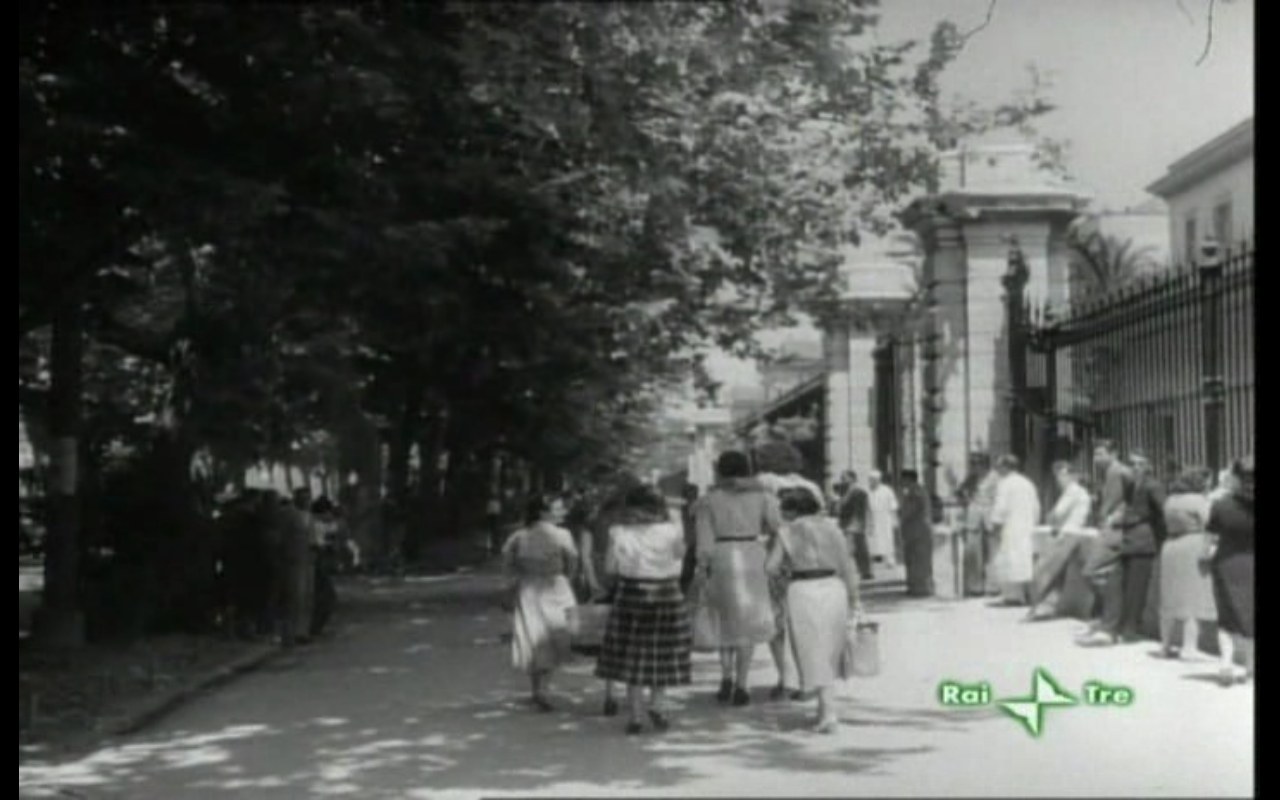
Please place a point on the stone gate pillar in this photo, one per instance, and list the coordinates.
(989, 197)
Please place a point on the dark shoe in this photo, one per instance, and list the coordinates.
(660, 723)
(797, 696)
(726, 691)
(634, 729)
(741, 697)
(777, 693)
(542, 704)
(610, 707)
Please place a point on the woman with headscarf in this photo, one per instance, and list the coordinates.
(542, 558)
(735, 520)
(1186, 592)
(648, 640)
(822, 593)
(1231, 564)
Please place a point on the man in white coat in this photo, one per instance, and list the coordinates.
(1015, 516)
(882, 505)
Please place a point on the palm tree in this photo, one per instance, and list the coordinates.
(1107, 261)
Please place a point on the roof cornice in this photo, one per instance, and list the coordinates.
(1229, 148)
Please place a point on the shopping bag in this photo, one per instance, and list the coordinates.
(861, 657)
(587, 624)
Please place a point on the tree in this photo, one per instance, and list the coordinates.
(1108, 262)
(486, 229)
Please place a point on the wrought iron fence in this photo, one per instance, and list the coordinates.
(1165, 364)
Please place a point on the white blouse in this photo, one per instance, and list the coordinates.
(653, 551)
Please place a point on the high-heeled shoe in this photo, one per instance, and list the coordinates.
(726, 691)
(741, 697)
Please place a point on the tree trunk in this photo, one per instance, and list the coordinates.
(60, 622)
(403, 437)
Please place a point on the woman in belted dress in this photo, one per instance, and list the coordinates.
(822, 594)
(542, 558)
(734, 521)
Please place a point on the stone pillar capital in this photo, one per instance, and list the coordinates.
(987, 240)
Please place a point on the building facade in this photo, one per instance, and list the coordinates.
(1210, 194)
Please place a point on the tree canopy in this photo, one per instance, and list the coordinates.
(465, 229)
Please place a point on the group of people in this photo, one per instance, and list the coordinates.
(759, 562)
(1136, 550)
(886, 528)
(277, 564)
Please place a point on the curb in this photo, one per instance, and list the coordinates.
(157, 708)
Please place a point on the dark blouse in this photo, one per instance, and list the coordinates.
(1231, 518)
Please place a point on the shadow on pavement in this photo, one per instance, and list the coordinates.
(414, 698)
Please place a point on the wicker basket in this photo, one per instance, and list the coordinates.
(587, 624)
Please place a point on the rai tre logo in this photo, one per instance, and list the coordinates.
(1030, 710)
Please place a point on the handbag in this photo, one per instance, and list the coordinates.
(587, 623)
(861, 656)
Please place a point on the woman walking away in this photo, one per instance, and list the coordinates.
(542, 558)
(821, 597)
(594, 547)
(648, 640)
(1231, 526)
(733, 520)
(1186, 591)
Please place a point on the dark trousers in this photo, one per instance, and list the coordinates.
(975, 562)
(326, 595)
(861, 554)
(1125, 596)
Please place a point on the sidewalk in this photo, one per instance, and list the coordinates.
(415, 699)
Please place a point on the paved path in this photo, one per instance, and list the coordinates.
(413, 699)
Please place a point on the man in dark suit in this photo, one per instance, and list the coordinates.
(852, 514)
(1121, 568)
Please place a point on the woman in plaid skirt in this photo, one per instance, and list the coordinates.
(648, 639)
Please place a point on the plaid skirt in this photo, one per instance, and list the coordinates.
(648, 639)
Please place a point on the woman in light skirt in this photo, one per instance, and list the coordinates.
(734, 521)
(821, 598)
(1186, 589)
(542, 558)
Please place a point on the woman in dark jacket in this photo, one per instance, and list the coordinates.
(1231, 564)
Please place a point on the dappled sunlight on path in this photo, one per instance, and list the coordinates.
(422, 704)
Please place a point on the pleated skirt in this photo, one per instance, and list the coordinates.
(648, 640)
